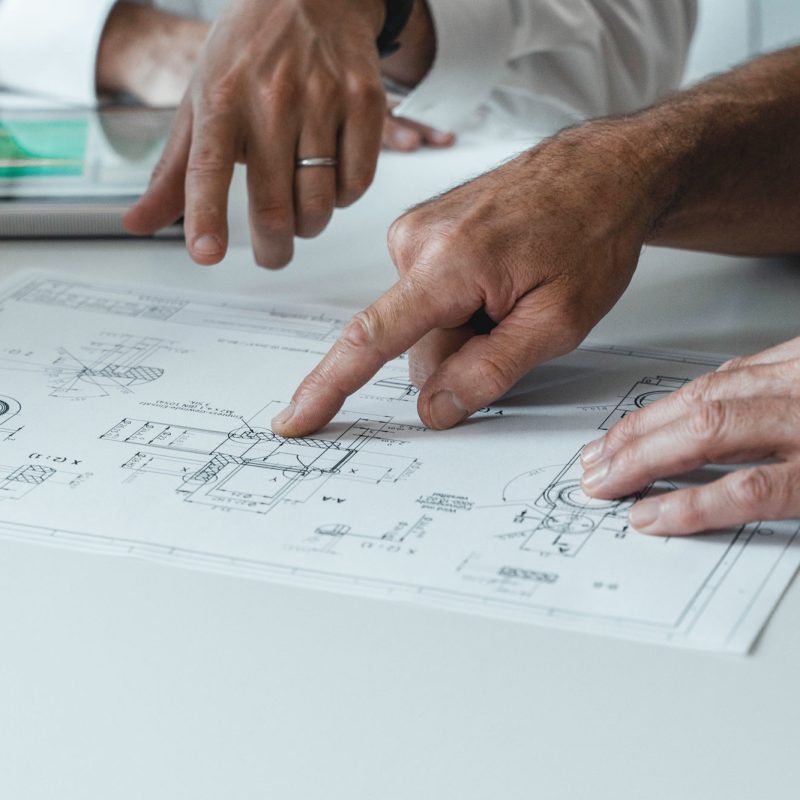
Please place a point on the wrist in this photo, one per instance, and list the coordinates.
(112, 53)
(650, 156)
(414, 58)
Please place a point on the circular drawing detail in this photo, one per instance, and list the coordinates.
(570, 494)
(569, 522)
(646, 398)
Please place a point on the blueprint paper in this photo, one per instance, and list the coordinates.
(136, 421)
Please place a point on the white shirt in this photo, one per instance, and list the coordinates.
(539, 62)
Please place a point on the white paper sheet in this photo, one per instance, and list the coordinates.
(135, 421)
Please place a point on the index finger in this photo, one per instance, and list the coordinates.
(209, 170)
(381, 332)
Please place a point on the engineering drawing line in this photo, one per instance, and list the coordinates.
(118, 363)
(400, 533)
(642, 394)
(400, 389)
(9, 408)
(251, 468)
(17, 482)
(570, 517)
(351, 510)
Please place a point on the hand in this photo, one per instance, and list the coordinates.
(541, 248)
(148, 54)
(745, 412)
(277, 81)
(406, 136)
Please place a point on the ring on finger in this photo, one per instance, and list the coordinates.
(317, 161)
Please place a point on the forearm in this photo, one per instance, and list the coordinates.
(723, 160)
(411, 62)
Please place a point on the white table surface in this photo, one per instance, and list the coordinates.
(124, 679)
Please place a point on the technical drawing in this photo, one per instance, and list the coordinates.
(570, 517)
(148, 305)
(17, 482)
(114, 363)
(376, 505)
(9, 408)
(251, 468)
(396, 535)
(643, 393)
(503, 578)
(398, 388)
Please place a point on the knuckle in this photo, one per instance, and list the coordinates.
(707, 423)
(734, 363)
(205, 163)
(443, 245)
(365, 91)
(576, 321)
(625, 430)
(566, 320)
(317, 207)
(221, 93)
(364, 329)
(696, 392)
(402, 240)
(574, 329)
(686, 510)
(495, 377)
(273, 218)
(751, 489)
(277, 93)
(356, 184)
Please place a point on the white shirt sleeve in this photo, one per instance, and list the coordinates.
(547, 63)
(49, 47)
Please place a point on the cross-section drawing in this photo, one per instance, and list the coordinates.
(251, 468)
(17, 482)
(9, 408)
(111, 364)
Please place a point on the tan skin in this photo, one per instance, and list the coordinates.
(304, 80)
(544, 247)
(150, 54)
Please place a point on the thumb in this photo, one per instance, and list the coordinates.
(540, 327)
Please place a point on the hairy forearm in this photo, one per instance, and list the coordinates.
(722, 160)
(148, 53)
(411, 62)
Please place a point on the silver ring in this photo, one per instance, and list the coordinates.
(321, 161)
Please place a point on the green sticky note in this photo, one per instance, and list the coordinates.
(42, 148)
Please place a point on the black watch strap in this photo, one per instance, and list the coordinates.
(398, 13)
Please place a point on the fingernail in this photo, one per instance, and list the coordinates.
(644, 513)
(594, 476)
(284, 416)
(441, 137)
(593, 450)
(207, 245)
(446, 410)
